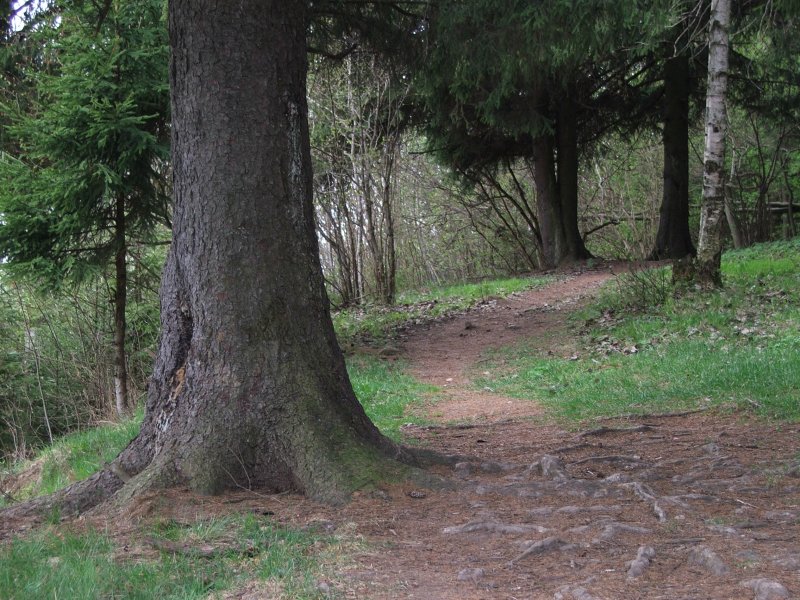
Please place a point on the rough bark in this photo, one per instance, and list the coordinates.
(567, 156)
(250, 387)
(709, 249)
(673, 239)
(548, 205)
(120, 305)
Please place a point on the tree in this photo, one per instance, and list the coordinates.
(519, 88)
(88, 176)
(709, 250)
(249, 387)
(356, 141)
(673, 239)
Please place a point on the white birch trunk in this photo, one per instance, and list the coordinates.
(709, 248)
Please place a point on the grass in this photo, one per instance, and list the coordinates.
(471, 293)
(385, 392)
(73, 457)
(377, 322)
(81, 454)
(54, 563)
(737, 348)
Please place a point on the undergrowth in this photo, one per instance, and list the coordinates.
(174, 561)
(373, 323)
(646, 351)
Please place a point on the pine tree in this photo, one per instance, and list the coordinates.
(88, 175)
(533, 80)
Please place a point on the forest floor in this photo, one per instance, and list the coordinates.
(692, 505)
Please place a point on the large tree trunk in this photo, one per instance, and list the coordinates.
(673, 239)
(250, 387)
(709, 249)
(567, 155)
(548, 205)
(120, 304)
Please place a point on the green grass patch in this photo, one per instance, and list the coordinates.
(674, 376)
(385, 392)
(646, 351)
(374, 322)
(215, 555)
(470, 293)
(71, 458)
(79, 455)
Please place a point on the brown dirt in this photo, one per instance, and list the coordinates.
(447, 353)
(543, 512)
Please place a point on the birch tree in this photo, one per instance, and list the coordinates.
(709, 250)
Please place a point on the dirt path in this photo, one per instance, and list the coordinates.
(687, 506)
(694, 506)
(448, 354)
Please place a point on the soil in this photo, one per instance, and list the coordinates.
(693, 505)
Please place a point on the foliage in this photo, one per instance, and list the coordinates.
(763, 165)
(86, 177)
(621, 188)
(356, 138)
(55, 563)
(388, 217)
(736, 348)
(56, 369)
(446, 231)
(96, 134)
(483, 85)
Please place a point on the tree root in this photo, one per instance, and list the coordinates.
(645, 494)
(606, 430)
(494, 527)
(550, 544)
(70, 501)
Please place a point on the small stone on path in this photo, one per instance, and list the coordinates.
(324, 587)
(470, 574)
(703, 556)
(766, 589)
(638, 565)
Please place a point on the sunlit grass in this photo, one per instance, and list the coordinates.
(737, 348)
